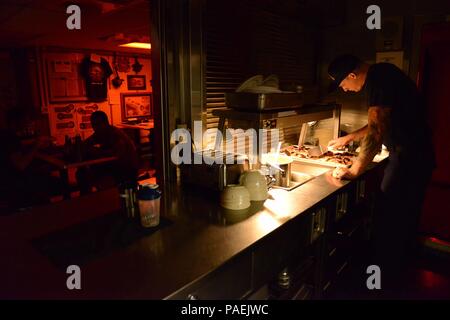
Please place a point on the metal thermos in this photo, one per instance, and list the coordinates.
(127, 192)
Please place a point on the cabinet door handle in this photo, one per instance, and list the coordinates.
(332, 252)
(341, 205)
(342, 267)
(361, 185)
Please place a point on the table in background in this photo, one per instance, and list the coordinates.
(143, 125)
(64, 165)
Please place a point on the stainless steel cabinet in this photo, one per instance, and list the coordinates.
(231, 281)
(303, 259)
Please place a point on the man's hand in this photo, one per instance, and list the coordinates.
(340, 142)
(344, 173)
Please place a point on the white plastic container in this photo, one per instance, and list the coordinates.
(149, 199)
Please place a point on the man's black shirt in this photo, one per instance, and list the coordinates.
(387, 86)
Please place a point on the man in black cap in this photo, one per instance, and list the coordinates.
(397, 119)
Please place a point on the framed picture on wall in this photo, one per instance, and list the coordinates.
(135, 82)
(136, 106)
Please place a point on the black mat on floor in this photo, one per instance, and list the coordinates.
(79, 244)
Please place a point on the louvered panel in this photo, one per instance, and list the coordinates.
(219, 68)
(214, 108)
(214, 100)
(219, 45)
(216, 105)
(215, 61)
(291, 135)
(224, 62)
(215, 95)
(211, 73)
(242, 40)
(281, 51)
(214, 85)
(211, 125)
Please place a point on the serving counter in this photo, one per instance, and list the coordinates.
(198, 251)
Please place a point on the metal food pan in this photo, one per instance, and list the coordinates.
(263, 101)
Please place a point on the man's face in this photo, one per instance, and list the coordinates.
(98, 125)
(352, 82)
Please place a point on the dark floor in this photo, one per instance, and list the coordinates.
(426, 278)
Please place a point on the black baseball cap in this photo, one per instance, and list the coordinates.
(340, 68)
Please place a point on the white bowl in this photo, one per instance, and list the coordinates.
(235, 197)
(255, 183)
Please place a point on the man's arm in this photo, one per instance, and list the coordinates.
(378, 123)
(22, 159)
(360, 133)
(345, 140)
(91, 140)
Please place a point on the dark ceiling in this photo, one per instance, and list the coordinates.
(104, 24)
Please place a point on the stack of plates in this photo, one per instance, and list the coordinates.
(263, 89)
(258, 84)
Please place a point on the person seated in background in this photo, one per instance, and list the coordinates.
(106, 141)
(24, 182)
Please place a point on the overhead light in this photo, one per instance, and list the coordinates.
(138, 45)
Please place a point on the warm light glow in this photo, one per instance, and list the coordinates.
(138, 45)
(266, 223)
(278, 204)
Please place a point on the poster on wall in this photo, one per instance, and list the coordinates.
(62, 78)
(62, 121)
(73, 119)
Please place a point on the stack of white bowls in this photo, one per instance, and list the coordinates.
(235, 197)
(252, 187)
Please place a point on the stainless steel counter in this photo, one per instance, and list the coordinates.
(201, 238)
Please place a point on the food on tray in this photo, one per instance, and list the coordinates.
(296, 151)
(341, 159)
(338, 157)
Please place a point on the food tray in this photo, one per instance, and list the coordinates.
(300, 154)
(321, 161)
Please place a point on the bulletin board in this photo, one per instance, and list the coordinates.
(74, 118)
(65, 83)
